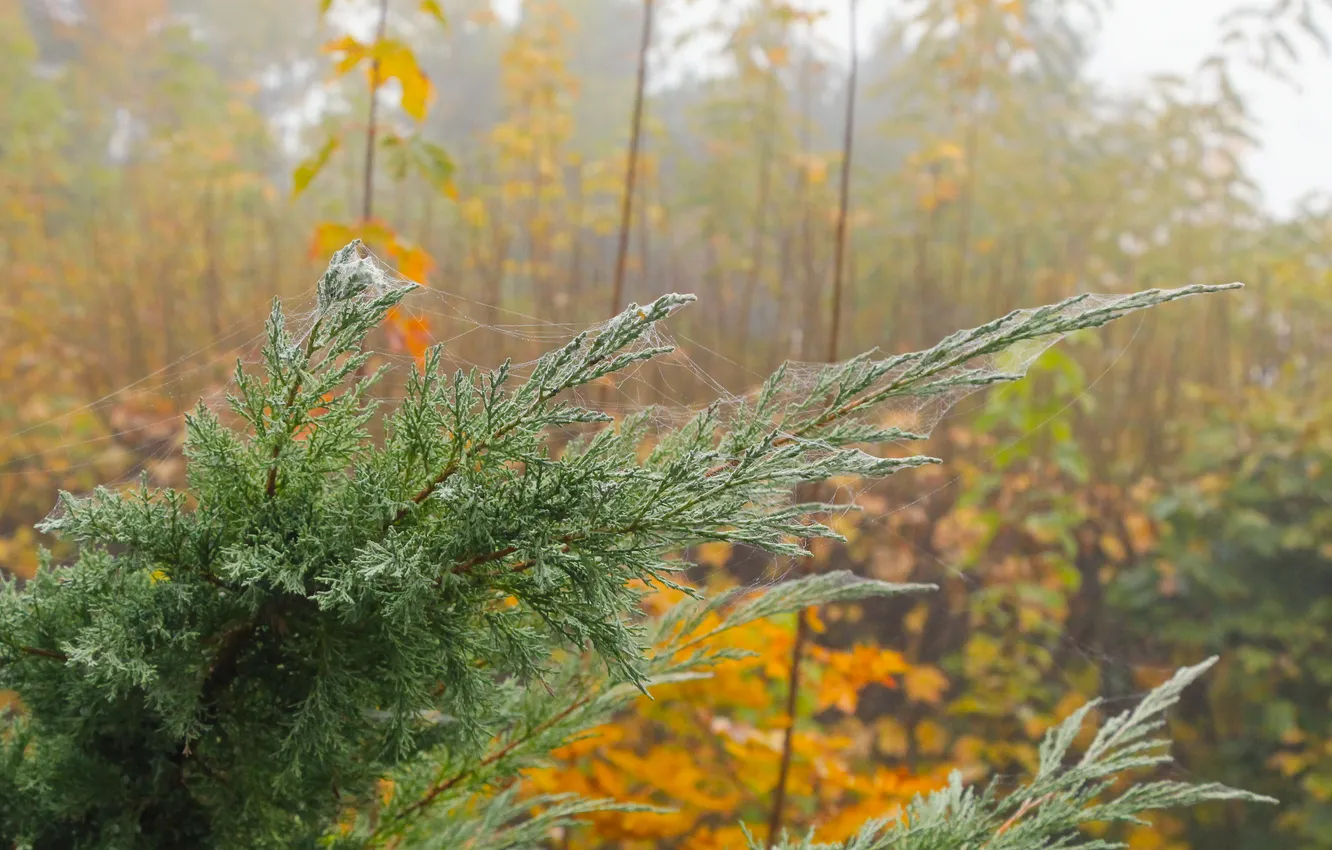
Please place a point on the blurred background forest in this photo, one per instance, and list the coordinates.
(1153, 494)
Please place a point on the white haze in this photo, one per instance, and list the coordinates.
(1144, 37)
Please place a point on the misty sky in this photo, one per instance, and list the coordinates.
(1142, 37)
(1145, 36)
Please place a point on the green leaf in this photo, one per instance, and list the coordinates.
(397, 153)
(437, 165)
(309, 168)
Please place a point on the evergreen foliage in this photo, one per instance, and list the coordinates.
(329, 639)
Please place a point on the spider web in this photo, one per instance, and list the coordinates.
(143, 420)
(145, 417)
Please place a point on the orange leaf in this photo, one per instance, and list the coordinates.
(414, 263)
(329, 237)
(410, 334)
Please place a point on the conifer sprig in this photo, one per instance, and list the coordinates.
(1051, 809)
(239, 663)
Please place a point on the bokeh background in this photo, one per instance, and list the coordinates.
(1155, 493)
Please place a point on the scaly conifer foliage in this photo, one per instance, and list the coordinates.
(332, 639)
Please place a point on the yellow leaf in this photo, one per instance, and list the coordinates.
(925, 684)
(1113, 548)
(816, 170)
(158, 575)
(948, 150)
(353, 52)
(1140, 533)
(915, 620)
(815, 622)
(931, 737)
(397, 61)
(432, 8)
(473, 211)
(892, 738)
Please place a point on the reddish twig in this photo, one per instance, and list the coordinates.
(1026, 806)
(424, 492)
(441, 787)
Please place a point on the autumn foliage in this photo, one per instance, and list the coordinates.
(156, 193)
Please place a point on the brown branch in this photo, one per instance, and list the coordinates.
(424, 492)
(223, 670)
(516, 567)
(53, 654)
(466, 566)
(270, 489)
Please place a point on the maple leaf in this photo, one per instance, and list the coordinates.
(397, 61)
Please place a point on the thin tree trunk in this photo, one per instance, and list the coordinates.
(576, 288)
(757, 254)
(644, 235)
(809, 288)
(368, 174)
(631, 167)
(212, 283)
(839, 253)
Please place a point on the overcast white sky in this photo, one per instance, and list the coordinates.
(1144, 37)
